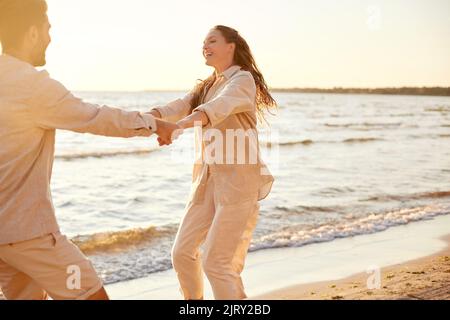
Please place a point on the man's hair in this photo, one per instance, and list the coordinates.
(17, 17)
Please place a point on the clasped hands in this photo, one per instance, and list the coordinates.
(167, 131)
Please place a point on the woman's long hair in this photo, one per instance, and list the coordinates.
(242, 57)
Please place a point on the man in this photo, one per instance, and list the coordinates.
(36, 261)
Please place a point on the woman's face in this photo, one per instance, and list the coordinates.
(216, 50)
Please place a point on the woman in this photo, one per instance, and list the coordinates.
(223, 207)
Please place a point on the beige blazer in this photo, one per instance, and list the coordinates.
(231, 109)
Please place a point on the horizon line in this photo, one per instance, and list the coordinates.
(285, 89)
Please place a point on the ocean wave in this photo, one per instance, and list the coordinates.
(307, 142)
(443, 109)
(103, 154)
(359, 140)
(288, 143)
(308, 209)
(414, 196)
(136, 253)
(297, 236)
(364, 124)
(117, 241)
(401, 115)
(125, 240)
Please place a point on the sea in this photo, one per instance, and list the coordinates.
(344, 165)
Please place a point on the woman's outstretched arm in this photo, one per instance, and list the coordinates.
(174, 110)
(196, 118)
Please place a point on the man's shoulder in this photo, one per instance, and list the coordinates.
(21, 79)
(14, 71)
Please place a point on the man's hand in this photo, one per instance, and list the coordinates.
(167, 132)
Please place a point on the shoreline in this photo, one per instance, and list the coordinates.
(271, 270)
(425, 278)
(414, 261)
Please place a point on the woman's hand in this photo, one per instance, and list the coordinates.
(167, 132)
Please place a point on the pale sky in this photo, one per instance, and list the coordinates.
(140, 44)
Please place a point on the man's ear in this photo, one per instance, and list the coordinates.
(33, 35)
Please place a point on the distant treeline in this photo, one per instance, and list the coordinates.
(423, 91)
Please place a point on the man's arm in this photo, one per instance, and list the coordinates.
(54, 107)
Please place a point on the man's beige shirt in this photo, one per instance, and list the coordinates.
(32, 106)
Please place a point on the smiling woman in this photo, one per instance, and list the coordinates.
(226, 191)
(223, 47)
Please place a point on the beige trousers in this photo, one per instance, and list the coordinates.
(225, 232)
(42, 267)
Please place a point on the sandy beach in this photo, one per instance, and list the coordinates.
(427, 278)
(414, 263)
(410, 258)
